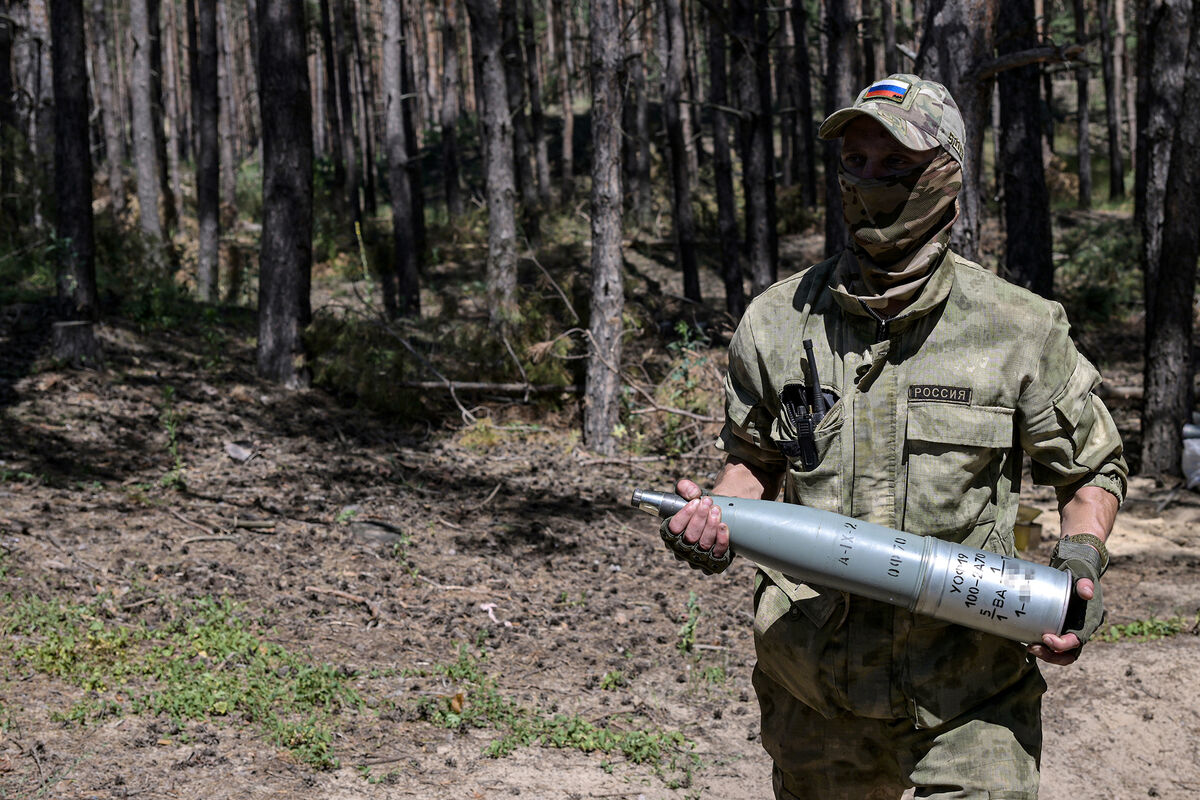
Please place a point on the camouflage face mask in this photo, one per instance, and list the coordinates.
(900, 225)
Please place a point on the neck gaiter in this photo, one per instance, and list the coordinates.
(900, 226)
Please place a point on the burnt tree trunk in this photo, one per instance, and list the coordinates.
(331, 101)
(1162, 56)
(566, 73)
(891, 62)
(681, 177)
(752, 84)
(170, 215)
(114, 141)
(839, 93)
(1082, 118)
(498, 162)
(208, 160)
(9, 220)
(367, 129)
(450, 110)
(1169, 365)
(537, 118)
(608, 298)
(1112, 102)
(637, 125)
(957, 38)
(514, 77)
(727, 229)
(407, 281)
(805, 134)
(285, 270)
(1028, 247)
(72, 163)
(350, 155)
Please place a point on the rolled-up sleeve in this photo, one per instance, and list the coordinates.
(1065, 428)
(747, 431)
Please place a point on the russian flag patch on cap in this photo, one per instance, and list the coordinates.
(888, 90)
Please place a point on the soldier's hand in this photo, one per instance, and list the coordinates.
(699, 522)
(1064, 650)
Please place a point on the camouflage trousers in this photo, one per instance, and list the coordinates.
(992, 751)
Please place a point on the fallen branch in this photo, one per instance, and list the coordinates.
(373, 607)
(500, 388)
(1034, 55)
(187, 521)
(195, 539)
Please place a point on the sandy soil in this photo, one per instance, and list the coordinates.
(525, 538)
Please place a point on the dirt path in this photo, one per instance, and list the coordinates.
(394, 555)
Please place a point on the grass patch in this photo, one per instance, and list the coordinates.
(208, 662)
(479, 703)
(1145, 630)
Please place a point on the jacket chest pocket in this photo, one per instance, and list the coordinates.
(819, 484)
(954, 455)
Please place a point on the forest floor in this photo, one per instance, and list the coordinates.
(455, 612)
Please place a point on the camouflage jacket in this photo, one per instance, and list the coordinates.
(933, 411)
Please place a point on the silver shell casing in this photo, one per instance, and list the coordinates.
(1001, 595)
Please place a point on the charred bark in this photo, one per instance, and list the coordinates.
(731, 266)
(681, 177)
(208, 159)
(72, 163)
(114, 141)
(839, 93)
(1028, 251)
(286, 258)
(450, 110)
(406, 270)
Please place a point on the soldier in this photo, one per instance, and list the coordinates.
(938, 376)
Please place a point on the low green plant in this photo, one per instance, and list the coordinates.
(613, 679)
(170, 419)
(207, 663)
(479, 703)
(687, 633)
(1150, 629)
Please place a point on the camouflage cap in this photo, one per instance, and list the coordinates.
(919, 114)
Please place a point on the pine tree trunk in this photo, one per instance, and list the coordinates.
(681, 177)
(566, 71)
(114, 142)
(718, 97)
(752, 86)
(514, 76)
(145, 157)
(1162, 56)
(450, 110)
(537, 119)
(1112, 102)
(1170, 366)
(349, 145)
(1047, 76)
(72, 163)
(411, 137)
(9, 219)
(332, 112)
(406, 255)
(1128, 82)
(206, 94)
(784, 92)
(171, 106)
(498, 158)
(891, 63)
(805, 133)
(1083, 121)
(958, 38)
(1028, 246)
(192, 71)
(226, 120)
(286, 257)
(158, 111)
(839, 93)
(608, 298)
(365, 93)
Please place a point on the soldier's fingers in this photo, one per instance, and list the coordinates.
(687, 489)
(708, 537)
(722, 544)
(680, 521)
(695, 527)
(1053, 657)
(1085, 588)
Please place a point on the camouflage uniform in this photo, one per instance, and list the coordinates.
(934, 410)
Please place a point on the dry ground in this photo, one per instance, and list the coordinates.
(381, 551)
